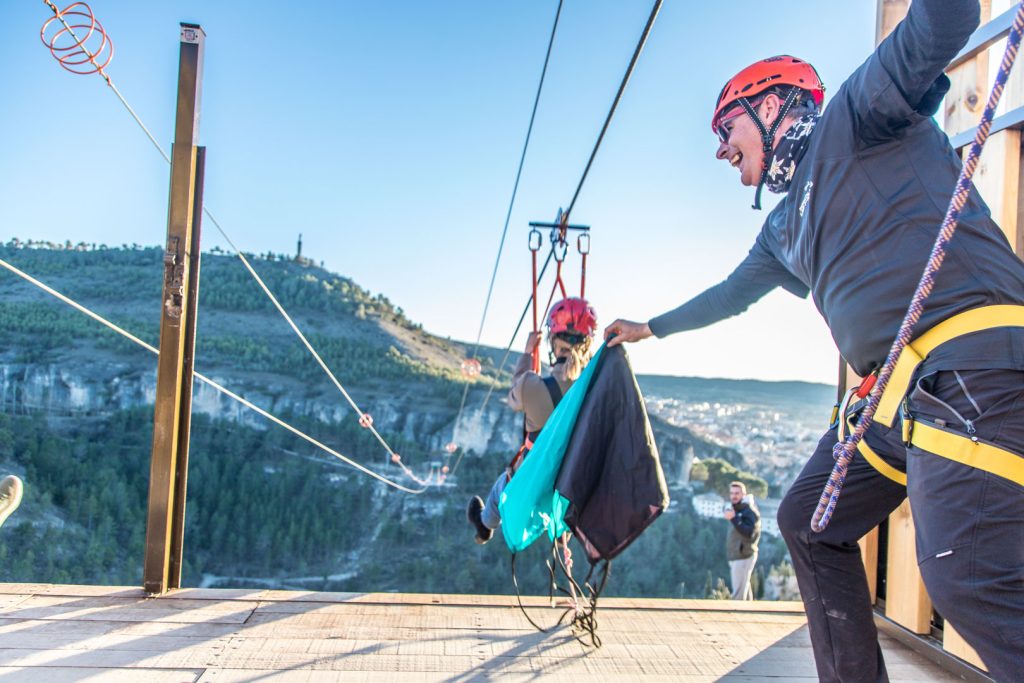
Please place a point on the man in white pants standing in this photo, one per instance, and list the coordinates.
(741, 545)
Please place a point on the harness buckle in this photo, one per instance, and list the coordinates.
(907, 424)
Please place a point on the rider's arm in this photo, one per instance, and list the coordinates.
(524, 370)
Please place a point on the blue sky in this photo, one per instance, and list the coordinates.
(388, 134)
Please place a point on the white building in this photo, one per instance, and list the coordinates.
(709, 505)
(713, 505)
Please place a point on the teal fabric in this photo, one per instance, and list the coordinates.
(530, 505)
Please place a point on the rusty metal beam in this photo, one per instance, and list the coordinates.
(190, 313)
(166, 514)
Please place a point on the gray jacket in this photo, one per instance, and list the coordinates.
(865, 206)
(745, 531)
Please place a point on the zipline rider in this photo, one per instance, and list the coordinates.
(572, 325)
(867, 183)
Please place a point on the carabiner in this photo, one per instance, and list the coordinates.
(843, 424)
(583, 245)
(534, 232)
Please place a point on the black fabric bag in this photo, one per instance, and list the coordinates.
(611, 474)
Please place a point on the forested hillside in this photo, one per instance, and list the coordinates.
(264, 507)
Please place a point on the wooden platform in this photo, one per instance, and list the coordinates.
(74, 633)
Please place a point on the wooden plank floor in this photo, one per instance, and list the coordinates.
(75, 633)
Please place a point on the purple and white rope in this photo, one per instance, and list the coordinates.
(844, 451)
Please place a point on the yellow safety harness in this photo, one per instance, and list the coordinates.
(947, 443)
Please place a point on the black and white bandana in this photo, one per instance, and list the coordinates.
(789, 152)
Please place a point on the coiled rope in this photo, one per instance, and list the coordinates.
(844, 451)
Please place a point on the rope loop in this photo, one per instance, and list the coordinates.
(366, 420)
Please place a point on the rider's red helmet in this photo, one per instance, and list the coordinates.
(572, 317)
(768, 73)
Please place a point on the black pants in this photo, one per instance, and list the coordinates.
(969, 525)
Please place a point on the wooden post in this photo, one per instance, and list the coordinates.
(189, 315)
(999, 179)
(954, 644)
(869, 553)
(890, 13)
(165, 520)
(968, 88)
(906, 600)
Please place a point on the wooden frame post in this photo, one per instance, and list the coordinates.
(169, 464)
(889, 14)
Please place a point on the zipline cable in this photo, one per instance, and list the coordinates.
(79, 46)
(504, 359)
(845, 450)
(227, 392)
(615, 103)
(579, 188)
(519, 173)
(508, 214)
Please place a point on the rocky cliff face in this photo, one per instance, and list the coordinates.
(106, 386)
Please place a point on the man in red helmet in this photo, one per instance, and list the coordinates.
(867, 182)
(571, 325)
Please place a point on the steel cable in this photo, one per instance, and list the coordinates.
(508, 214)
(80, 45)
(227, 392)
(579, 187)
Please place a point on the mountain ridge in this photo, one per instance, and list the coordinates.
(410, 381)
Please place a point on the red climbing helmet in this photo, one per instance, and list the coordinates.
(768, 73)
(573, 317)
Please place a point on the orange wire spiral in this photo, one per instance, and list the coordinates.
(77, 41)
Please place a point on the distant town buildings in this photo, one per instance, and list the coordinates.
(775, 440)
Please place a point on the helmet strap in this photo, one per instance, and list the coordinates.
(768, 136)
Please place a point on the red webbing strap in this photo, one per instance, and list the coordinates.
(583, 239)
(583, 278)
(533, 282)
